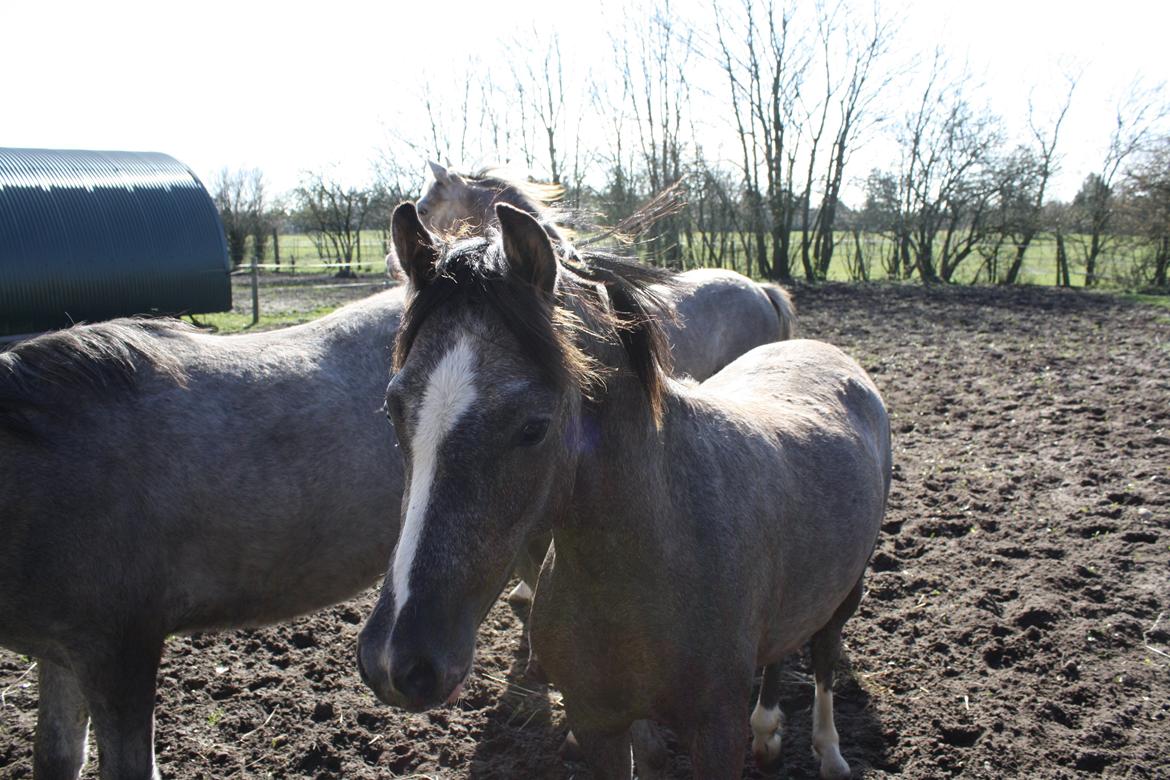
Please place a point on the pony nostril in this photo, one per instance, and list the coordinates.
(417, 680)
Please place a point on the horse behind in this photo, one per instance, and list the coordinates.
(700, 531)
(720, 314)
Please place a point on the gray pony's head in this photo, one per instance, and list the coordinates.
(501, 358)
(456, 205)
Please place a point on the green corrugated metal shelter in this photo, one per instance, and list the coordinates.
(88, 236)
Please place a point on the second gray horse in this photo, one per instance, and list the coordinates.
(721, 313)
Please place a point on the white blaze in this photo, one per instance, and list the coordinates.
(450, 393)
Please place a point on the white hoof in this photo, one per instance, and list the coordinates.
(833, 766)
(521, 595)
(766, 751)
(767, 733)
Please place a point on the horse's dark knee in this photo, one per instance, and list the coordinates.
(825, 646)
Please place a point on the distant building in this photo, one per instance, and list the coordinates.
(88, 236)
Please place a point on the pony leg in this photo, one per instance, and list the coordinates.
(608, 755)
(826, 649)
(528, 565)
(767, 720)
(717, 746)
(520, 597)
(120, 693)
(62, 724)
(650, 753)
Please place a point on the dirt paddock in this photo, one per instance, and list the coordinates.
(1016, 621)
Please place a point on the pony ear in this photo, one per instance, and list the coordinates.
(393, 267)
(439, 172)
(415, 247)
(527, 247)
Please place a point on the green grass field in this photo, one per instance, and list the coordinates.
(299, 255)
(1118, 268)
(307, 290)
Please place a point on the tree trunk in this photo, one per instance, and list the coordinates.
(783, 260)
(1091, 259)
(1161, 261)
(1013, 274)
(1062, 275)
(859, 257)
(761, 253)
(926, 270)
(810, 273)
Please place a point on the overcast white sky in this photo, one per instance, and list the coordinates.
(272, 86)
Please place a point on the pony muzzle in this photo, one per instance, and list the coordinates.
(373, 664)
(409, 677)
(424, 683)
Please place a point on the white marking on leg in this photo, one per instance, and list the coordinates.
(450, 393)
(826, 744)
(767, 733)
(521, 594)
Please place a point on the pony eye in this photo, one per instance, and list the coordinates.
(422, 211)
(393, 407)
(531, 433)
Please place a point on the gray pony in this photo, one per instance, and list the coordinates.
(699, 531)
(713, 315)
(156, 480)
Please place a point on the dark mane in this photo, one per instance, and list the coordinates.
(95, 360)
(555, 334)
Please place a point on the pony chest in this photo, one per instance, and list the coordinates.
(615, 655)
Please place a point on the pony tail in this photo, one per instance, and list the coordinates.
(781, 301)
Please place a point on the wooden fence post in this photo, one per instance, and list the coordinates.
(255, 289)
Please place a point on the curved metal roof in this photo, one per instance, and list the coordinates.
(89, 235)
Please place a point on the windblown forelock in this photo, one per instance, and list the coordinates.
(540, 193)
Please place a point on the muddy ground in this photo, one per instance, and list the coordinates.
(1016, 622)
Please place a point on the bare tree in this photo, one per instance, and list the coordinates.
(541, 87)
(263, 215)
(619, 195)
(394, 182)
(1136, 118)
(657, 90)
(764, 62)
(947, 183)
(880, 218)
(1145, 209)
(1039, 164)
(816, 117)
(866, 43)
(715, 218)
(336, 215)
(239, 196)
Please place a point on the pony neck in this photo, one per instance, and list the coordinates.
(621, 490)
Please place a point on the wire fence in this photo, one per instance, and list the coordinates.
(300, 253)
